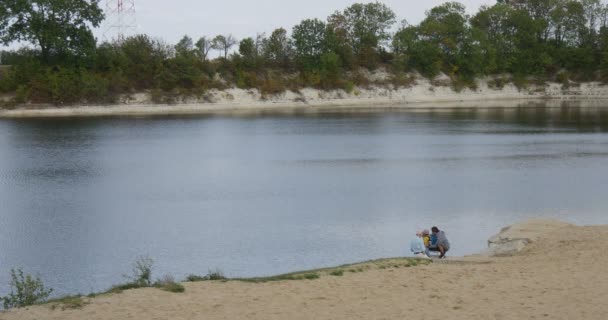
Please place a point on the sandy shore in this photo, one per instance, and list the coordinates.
(423, 95)
(562, 274)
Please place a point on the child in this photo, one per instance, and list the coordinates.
(426, 238)
(417, 246)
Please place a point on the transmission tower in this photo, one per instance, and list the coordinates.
(120, 19)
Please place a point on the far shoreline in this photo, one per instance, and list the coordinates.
(423, 96)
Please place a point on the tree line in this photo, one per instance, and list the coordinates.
(547, 39)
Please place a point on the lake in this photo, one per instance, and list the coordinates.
(81, 199)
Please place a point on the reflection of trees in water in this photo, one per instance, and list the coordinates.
(581, 119)
(568, 116)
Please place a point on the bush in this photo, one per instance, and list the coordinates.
(195, 278)
(216, 274)
(25, 290)
(563, 78)
(168, 283)
(497, 83)
(22, 94)
(311, 276)
(402, 80)
(337, 273)
(141, 277)
(331, 70)
(273, 84)
(142, 271)
(95, 88)
(459, 84)
(349, 86)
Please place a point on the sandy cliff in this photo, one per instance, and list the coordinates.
(423, 93)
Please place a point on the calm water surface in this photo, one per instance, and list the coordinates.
(81, 199)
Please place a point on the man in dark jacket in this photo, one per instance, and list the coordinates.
(442, 244)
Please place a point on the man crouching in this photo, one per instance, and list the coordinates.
(441, 243)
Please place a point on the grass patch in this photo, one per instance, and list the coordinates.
(311, 276)
(212, 275)
(67, 302)
(173, 287)
(125, 286)
(195, 278)
(339, 270)
(337, 273)
(216, 274)
(168, 283)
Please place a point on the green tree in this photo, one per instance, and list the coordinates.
(144, 60)
(279, 49)
(367, 24)
(568, 22)
(185, 46)
(496, 35)
(309, 40)
(445, 26)
(56, 26)
(531, 52)
(247, 48)
(603, 46)
(248, 52)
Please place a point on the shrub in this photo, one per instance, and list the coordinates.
(141, 277)
(349, 86)
(22, 94)
(520, 82)
(402, 80)
(95, 88)
(126, 286)
(272, 84)
(563, 78)
(337, 273)
(497, 83)
(25, 290)
(194, 278)
(142, 271)
(311, 276)
(216, 274)
(361, 79)
(459, 84)
(331, 70)
(168, 283)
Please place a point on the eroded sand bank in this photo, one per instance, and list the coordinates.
(423, 95)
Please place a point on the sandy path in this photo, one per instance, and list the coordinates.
(558, 277)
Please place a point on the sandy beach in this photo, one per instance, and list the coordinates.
(561, 274)
(423, 95)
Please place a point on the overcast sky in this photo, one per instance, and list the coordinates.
(171, 19)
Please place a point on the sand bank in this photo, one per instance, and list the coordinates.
(423, 95)
(560, 274)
